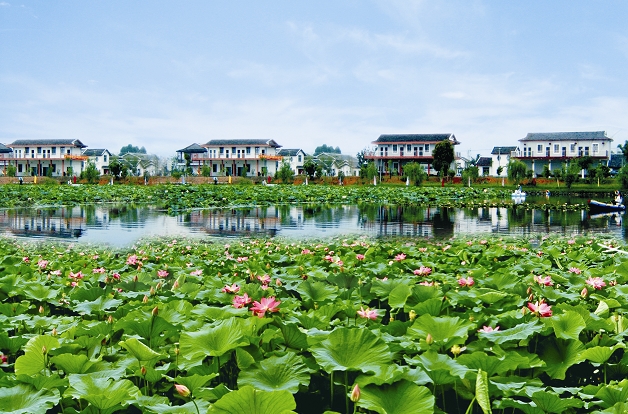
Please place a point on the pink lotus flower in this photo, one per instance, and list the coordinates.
(25, 259)
(359, 256)
(487, 329)
(400, 257)
(367, 313)
(231, 289)
(56, 272)
(545, 281)
(132, 260)
(596, 282)
(42, 264)
(423, 271)
(540, 308)
(305, 251)
(242, 259)
(466, 281)
(77, 275)
(584, 292)
(426, 283)
(241, 301)
(196, 272)
(162, 273)
(575, 270)
(328, 258)
(571, 241)
(99, 270)
(265, 280)
(182, 390)
(422, 249)
(265, 305)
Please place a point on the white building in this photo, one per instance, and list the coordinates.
(500, 157)
(100, 158)
(57, 157)
(294, 157)
(555, 148)
(258, 157)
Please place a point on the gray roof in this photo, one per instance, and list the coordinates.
(34, 142)
(290, 152)
(408, 138)
(95, 152)
(4, 149)
(254, 142)
(566, 136)
(484, 162)
(192, 149)
(503, 150)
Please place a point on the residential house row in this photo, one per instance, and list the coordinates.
(263, 157)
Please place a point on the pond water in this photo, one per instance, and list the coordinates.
(122, 225)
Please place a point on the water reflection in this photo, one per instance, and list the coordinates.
(121, 225)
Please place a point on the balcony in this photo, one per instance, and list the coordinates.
(562, 155)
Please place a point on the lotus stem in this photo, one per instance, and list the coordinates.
(331, 388)
(470, 407)
(346, 392)
(197, 410)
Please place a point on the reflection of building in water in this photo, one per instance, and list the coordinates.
(386, 221)
(236, 222)
(39, 223)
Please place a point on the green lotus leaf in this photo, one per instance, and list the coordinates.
(243, 358)
(382, 289)
(34, 360)
(164, 408)
(195, 382)
(490, 364)
(568, 325)
(102, 393)
(11, 344)
(140, 351)
(398, 296)
(527, 407)
(394, 373)
(559, 355)
(441, 368)
(98, 306)
(22, 399)
(248, 400)
(293, 337)
(422, 293)
(613, 394)
(352, 350)
(518, 333)
(600, 354)
(481, 392)
(432, 307)
(619, 408)
(399, 398)
(73, 364)
(40, 292)
(317, 292)
(276, 373)
(445, 330)
(145, 325)
(552, 403)
(213, 341)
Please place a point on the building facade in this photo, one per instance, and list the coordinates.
(500, 157)
(552, 149)
(294, 157)
(392, 151)
(239, 157)
(100, 158)
(55, 157)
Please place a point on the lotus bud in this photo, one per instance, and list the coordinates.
(152, 291)
(143, 371)
(355, 393)
(182, 390)
(145, 299)
(529, 291)
(44, 350)
(110, 319)
(584, 292)
(135, 279)
(392, 318)
(177, 351)
(524, 310)
(158, 286)
(155, 311)
(175, 285)
(278, 282)
(54, 332)
(456, 350)
(412, 315)
(106, 279)
(531, 297)
(429, 339)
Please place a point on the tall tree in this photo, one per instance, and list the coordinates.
(516, 171)
(327, 148)
(132, 148)
(443, 157)
(624, 150)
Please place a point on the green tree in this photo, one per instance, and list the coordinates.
(325, 148)
(470, 174)
(624, 150)
(415, 172)
(571, 172)
(132, 148)
(623, 177)
(11, 170)
(500, 170)
(285, 173)
(443, 157)
(206, 171)
(546, 171)
(91, 173)
(516, 171)
(309, 166)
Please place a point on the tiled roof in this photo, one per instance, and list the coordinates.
(484, 162)
(290, 152)
(256, 142)
(566, 136)
(4, 149)
(194, 148)
(503, 150)
(33, 142)
(94, 152)
(408, 138)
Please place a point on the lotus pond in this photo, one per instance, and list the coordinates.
(341, 325)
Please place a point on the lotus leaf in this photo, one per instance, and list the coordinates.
(22, 399)
(248, 400)
(399, 398)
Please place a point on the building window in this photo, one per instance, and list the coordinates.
(394, 147)
(595, 148)
(19, 168)
(556, 148)
(427, 147)
(104, 158)
(54, 150)
(233, 150)
(572, 148)
(299, 158)
(38, 150)
(26, 150)
(409, 147)
(222, 150)
(539, 148)
(256, 150)
(248, 150)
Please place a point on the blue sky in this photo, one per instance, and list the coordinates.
(166, 74)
